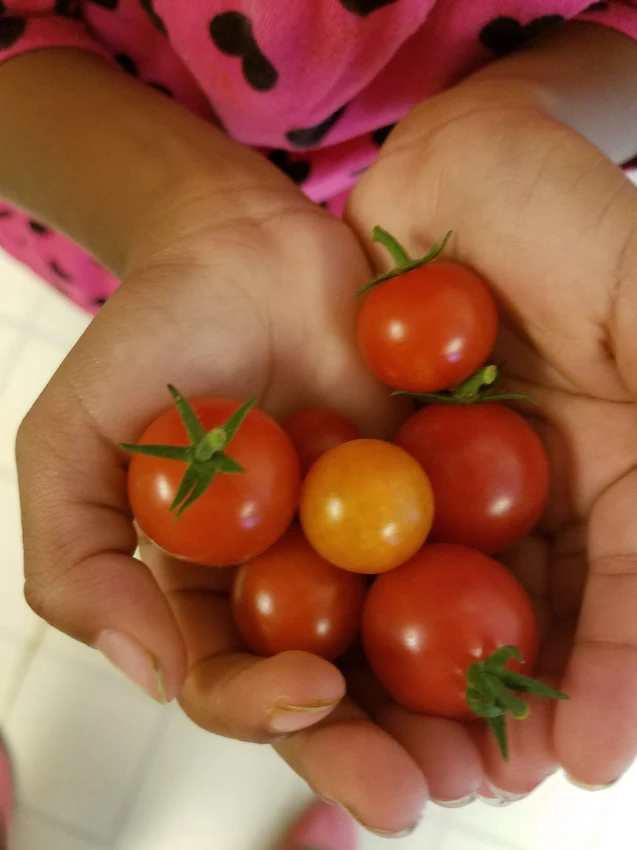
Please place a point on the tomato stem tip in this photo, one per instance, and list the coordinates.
(403, 261)
(205, 456)
(475, 390)
(492, 692)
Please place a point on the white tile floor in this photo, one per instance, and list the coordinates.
(102, 768)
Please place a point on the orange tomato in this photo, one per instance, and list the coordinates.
(366, 506)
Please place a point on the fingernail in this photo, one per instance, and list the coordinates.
(499, 802)
(457, 804)
(134, 661)
(508, 796)
(401, 833)
(586, 787)
(286, 719)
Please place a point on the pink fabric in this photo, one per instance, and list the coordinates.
(7, 801)
(314, 85)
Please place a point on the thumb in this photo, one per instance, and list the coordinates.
(79, 540)
(322, 827)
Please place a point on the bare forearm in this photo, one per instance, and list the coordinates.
(94, 153)
(585, 75)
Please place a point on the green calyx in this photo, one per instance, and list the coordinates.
(475, 390)
(205, 456)
(403, 261)
(491, 692)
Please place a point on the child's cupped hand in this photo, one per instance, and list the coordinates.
(552, 224)
(251, 292)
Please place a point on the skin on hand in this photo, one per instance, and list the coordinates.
(552, 224)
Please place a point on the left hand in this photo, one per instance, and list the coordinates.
(552, 225)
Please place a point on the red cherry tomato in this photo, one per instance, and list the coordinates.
(290, 598)
(428, 329)
(239, 516)
(488, 469)
(366, 506)
(426, 622)
(314, 430)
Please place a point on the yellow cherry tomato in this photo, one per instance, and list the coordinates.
(366, 506)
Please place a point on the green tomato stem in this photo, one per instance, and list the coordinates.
(394, 247)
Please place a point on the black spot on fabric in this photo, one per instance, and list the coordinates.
(126, 63)
(158, 87)
(99, 302)
(597, 7)
(11, 30)
(106, 4)
(5, 213)
(231, 32)
(55, 268)
(38, 228)
(324, 204)
(379, 136)
(365, 7)
(68, 8)
(297, 170)
(309, 136)
(505, 35)
(156, 21)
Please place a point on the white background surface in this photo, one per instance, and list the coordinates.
(100, 767)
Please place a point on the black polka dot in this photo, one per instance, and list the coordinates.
(68, 8)
(297, 170)
(55, 268)
(504, 35)
(99, 302)
(597, 7)
(156, 21)
(379, 136)
(309, 136)
(126, 63)
(106, 4)
(5, 213)
(324, 204)
(231, 32)
(365, 7)
(158, 87)
(11, 30)
(38, 228)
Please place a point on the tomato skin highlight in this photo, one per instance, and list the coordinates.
(366, 506)
(291, 598)
(488, 469)
(426, 622)
(428, 329)
(314, 430)
(239, 516)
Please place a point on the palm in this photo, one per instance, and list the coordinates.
(550, 224)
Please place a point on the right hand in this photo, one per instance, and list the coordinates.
(237, 292)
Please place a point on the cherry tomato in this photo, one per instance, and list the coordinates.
(314, 430)
(426, 622)
(291, 598)
(366, 506)
(238, 516)
(429, 328)
(488, 469)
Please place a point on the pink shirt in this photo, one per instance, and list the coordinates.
(314, 84)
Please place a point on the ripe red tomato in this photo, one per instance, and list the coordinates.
(366, 506)
(314, 430)
(426, 622)
(428, 329)
(488, 469)
(238, 516)
(290, 598)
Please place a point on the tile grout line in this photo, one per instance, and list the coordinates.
(123, 816)
(65, 827)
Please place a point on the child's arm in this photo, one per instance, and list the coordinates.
(87, 149)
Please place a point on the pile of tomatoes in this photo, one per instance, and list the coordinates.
(394, 540)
